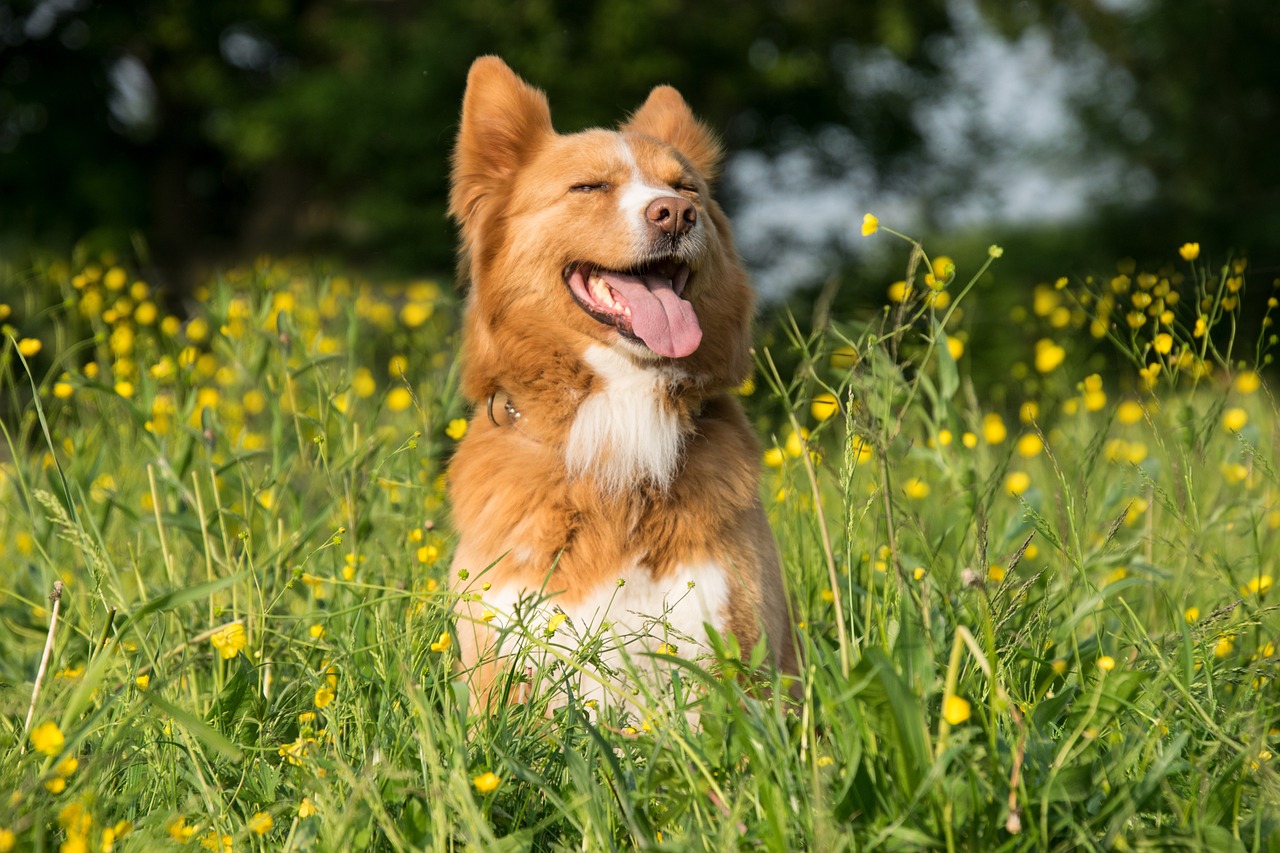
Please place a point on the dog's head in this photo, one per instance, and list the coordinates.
(604, 236)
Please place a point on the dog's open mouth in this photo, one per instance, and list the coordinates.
(645, 303)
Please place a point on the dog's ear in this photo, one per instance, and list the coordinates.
(666, 116)
(503, 120)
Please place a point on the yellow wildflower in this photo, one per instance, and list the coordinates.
(30, 347)
(995, 573)
(230, 640)
(306, 808)
(556, 620)
(456, 429)
(324, 696)
(399, 399)
(1106, 663)
(443, 643)
(8, 840)
(955, 346)
(1247, 382)
(1192, 614)
(1048, 355)
(1029, 445)
(487, 782)
(824, 405)
(870, 224)
(261, 823)
(1259, 585)
(1234, 419)
(1189, 251)
(955, 710)
(1017, 482)
(916, 489)
(773, 457)
(47, 738)
(993, 429)
(143, 681)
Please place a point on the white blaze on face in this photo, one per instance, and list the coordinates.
(636, 195)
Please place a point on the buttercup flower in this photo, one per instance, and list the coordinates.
(870, 224)
(230, 641)
(955, 710)
(487, 782)
(1189, 251)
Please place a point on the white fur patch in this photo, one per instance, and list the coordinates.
(641, 614)
(636, 196)
(625, 435)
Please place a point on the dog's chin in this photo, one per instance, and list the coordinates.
(644, 304)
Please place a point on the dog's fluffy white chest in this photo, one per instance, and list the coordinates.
(625, 434)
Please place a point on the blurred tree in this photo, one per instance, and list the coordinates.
(243, 125)
(1205, 115)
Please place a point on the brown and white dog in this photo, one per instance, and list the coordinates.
(616, 480)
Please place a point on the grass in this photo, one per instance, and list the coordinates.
(1035, 613)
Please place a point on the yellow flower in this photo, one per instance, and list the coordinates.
(443, 643)
(993, 429)
(1247, 382)
(363, 383)
(918, 573)
(67, 766)
(1129, 412)
(1189, 251)
(306, 808)
(1106, 663)
(63, 390)
(143, 681)
(487, 782)
(944, 269)
(969, 440)
(47, 738)
(824, 405)
(124, 388)
(955, 710)
(324, 696)
(456, 429)
(1259, 585)
(179, 830)
(995, 573)
(1048, 355)
(773, 457)
(556, 620)
(1223, 647)
(955, 346)
(1017, 482)
(7, 840)
(399, 399)
(1233, 420)
(260, 823)
(1163, 343)
(1095, 399)
(870, 224)
(795, 443)
(843, 357)
(1030, 445)
(30, 347)
(666, 649)
(414, 314)
(899, 292)
(995, 251)
(56, 785)
(230, 640)
(916, 489)
(1192, 614)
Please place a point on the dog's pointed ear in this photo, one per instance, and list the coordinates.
(666, 116)
(503, 120)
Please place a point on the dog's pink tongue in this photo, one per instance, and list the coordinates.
(665, 322)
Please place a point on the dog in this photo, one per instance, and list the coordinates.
(608, 478)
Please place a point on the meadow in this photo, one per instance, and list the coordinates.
(1038, 618)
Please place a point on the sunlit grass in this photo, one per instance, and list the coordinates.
(1034, 613)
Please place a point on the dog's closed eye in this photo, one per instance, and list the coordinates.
(589, 187)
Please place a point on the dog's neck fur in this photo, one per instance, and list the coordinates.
(620, 422)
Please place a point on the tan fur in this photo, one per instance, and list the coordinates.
(515, 507)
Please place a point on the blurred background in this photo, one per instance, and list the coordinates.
(191, 135)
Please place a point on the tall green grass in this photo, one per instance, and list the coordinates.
(1043, 624)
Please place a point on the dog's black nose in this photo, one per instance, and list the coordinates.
(671, 214)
